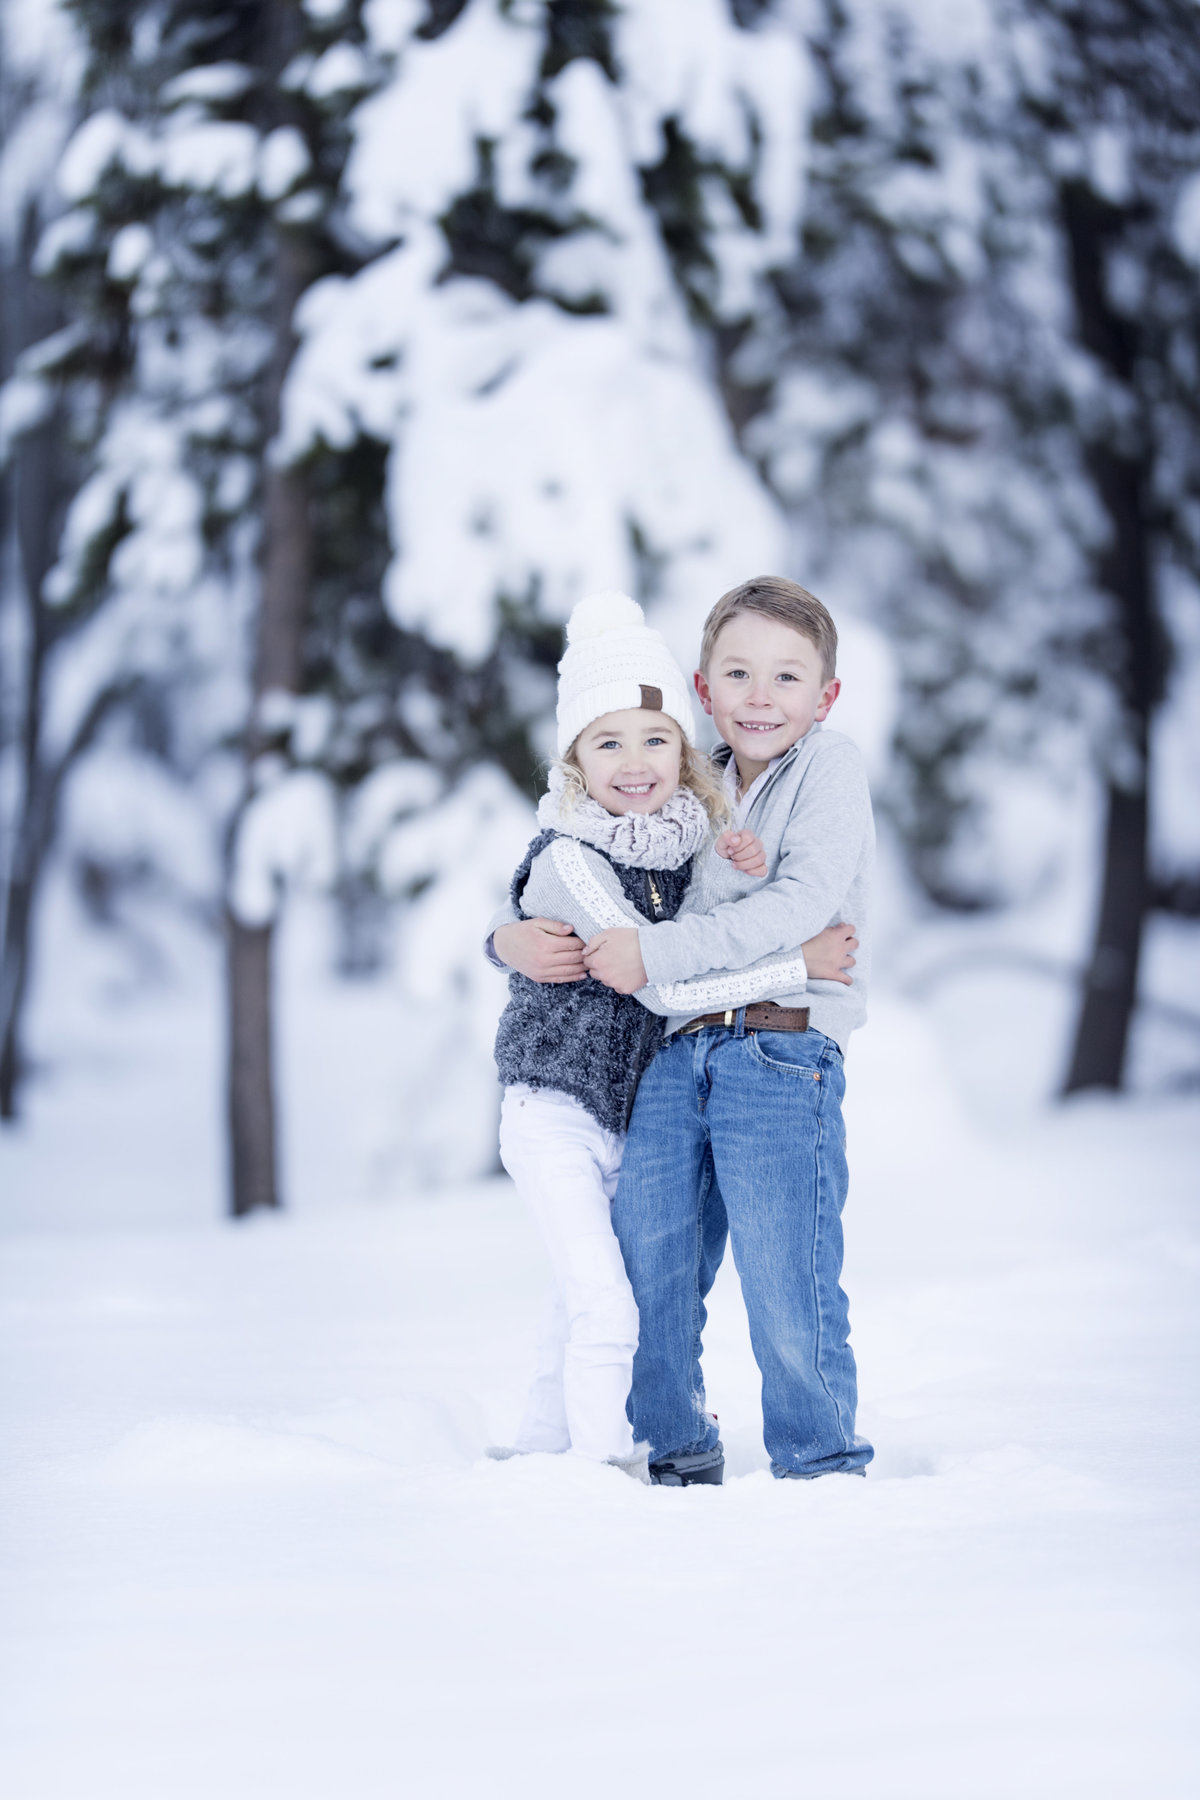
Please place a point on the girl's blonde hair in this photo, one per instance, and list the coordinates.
(696, 773)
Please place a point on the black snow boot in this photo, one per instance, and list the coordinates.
(707, 1467)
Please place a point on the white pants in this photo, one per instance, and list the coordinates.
(565, 1166)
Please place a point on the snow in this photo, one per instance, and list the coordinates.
(283, 160)
(253, 1546)
(103, 139)
(71, 234)
(125, 812)
(390, 23)
(190, 151)
(286, 837)
(1187, 221)
(538, 454)
(209, 83)
(389, 792)
(415, 146)
(131, 247)
(527, 445)
(216, 154)
(343, 69)
(25, 402)
(42, 65)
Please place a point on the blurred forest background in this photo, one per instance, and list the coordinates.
(346, 344)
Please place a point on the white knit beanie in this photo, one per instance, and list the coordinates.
(614, 661)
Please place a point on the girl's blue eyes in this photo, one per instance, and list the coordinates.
(615, 743)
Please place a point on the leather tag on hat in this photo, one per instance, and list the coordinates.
(651, 698)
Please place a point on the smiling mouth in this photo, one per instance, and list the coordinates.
(756, 725)
(642, 787)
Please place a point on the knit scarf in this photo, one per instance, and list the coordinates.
(665, 839)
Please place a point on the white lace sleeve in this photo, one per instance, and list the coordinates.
(782, 974)
(570, 881)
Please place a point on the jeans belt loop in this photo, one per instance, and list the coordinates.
(738, 1020)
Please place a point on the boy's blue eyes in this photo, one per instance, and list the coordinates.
(741, 675)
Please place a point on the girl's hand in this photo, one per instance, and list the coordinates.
(828, 955)
(743, 850)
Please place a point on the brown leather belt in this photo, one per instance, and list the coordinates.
(763, 1016)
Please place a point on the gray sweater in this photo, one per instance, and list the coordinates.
(813, 814)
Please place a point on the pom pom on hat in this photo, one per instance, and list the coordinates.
(608, 611)
(612, 655)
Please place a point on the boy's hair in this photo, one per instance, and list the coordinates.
(695, 773)
(775, 598)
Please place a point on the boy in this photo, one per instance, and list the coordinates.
(738, 1118)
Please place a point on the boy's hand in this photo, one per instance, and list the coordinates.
(543, 949)
(743, 850)
(828, 955)
(615, 958)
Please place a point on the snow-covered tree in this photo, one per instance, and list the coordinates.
(523, 340)
(1116, 118)
(516, 233)
(974, 390)
(199, 197)
(566, 205)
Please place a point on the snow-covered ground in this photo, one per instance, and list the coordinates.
(252, 1548)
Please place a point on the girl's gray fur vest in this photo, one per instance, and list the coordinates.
(581, 1038)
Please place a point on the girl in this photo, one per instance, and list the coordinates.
(630, 803)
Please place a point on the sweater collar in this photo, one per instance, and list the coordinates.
(722, 755)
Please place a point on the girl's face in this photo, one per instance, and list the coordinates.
(630, 760)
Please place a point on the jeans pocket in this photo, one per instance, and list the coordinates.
(796, 1052)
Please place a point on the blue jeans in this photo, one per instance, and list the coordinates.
(742, 1131)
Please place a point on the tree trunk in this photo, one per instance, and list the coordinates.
(1110, 983)
(283, 606)
(1122, 477)
(1100, 1050)
(14, 967)
(35, 488)
(251, 1098)
(31, 837)
(278, 664)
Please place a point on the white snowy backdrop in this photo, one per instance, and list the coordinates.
(344, 346)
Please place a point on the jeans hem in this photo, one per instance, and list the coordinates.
(844, 1467)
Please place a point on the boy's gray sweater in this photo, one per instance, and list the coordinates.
(813, 814)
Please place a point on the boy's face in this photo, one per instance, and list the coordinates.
(764, 688)
(630, 760)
